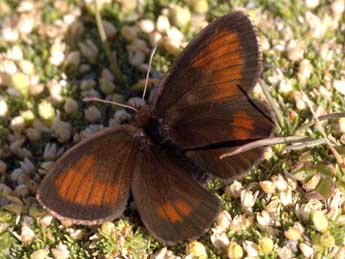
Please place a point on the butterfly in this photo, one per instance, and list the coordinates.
(201, 111)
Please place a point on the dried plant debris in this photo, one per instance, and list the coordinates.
(51, 58)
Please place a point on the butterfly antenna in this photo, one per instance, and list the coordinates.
(148, 71)
(95, 99)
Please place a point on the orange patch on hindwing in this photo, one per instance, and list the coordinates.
(174, 211)
(243, 125)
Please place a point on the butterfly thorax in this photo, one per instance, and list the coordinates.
(153, 127)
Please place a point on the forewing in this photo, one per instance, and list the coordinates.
(171, 204)
(224, 123)
(90, 183)
(222, 56)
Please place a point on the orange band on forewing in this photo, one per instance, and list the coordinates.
(183, 207)
(174, 211)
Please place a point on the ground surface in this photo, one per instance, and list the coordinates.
(291, 206)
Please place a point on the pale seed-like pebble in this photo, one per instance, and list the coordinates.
(147, 25)
(25, 6)
(182, 16)
(311, 3)
(286, 197)
(312, 183)
(136, 102)
(40, 254)
(36, 89)
(46, 220)
(155, 38)
(108, 228)
(89, 50)
(88, 84)
(220, 241)
(338, 7)
(26, 66)
(22, 190)
(73, 59)
(92, 114)
(130, 33)
(109, 29)
(201, 6)
(62, 130)
(293, 234)
(320, 221)
(136, 58)
(265, 245)
(341, 122)
(235, 251)
(17, 123)
(21, 83)
(223, 220)
(9, 34)
(251, 248)
(26, 24)
(122, 116)
(306, 250)
(197, 249)
(235, 189)
(280, 183)
(305, 70)
(3, 107)
(106, 86)
(339, 85)
(15, 53)
(264, 219)
(60, 252)
(50, 151)
(71, 106)
(267, 186)
(27, 234)
(46, 111)
(163, 23)
(295, 51)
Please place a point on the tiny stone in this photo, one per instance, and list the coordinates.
(92, 114)
(71, 106)
(163, 23)
(109, 29)
(3, 107)
(21, 83)
(40, 254)
(339, 85)
(146, 26)
(201, 6)
(26, 66)
(311, 3)
(17, 123)
(130, 33)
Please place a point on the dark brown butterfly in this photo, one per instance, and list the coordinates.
(202, 110)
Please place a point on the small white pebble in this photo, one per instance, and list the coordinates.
(26, 24)
(163, 23)
(15, 53)
(40, 254)
(17, 123)
(146, 26)
(339, 85)
(306, 250)
(311, 3)
(338, 7)
(89, 50)
(71, 106)
(60, 251)
(295, 51)
(3, 107)
(130, 33)
(109, 29)
(251, 248)
(92, 114)
(27, 234)
(220, 241)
